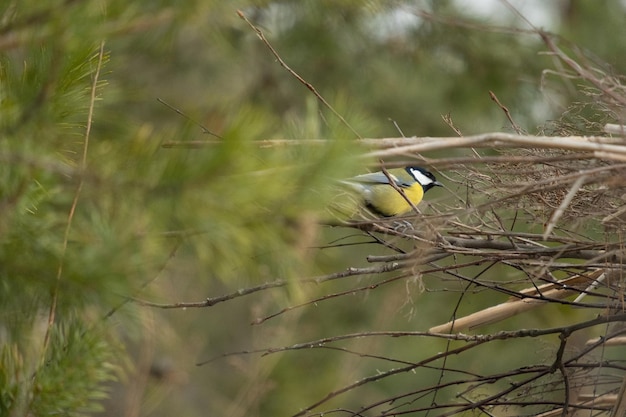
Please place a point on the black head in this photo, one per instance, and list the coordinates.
(424, 177)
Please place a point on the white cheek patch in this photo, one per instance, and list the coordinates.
(420, 177)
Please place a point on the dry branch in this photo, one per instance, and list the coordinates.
(536, 297)
(411, 145)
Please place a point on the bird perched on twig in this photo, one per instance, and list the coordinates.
(387, 193)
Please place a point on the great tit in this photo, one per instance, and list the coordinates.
(383, 199)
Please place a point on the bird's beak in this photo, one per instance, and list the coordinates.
(438, 184)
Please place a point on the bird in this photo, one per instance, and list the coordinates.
(380, 197)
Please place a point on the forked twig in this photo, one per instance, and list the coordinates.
(506, 111)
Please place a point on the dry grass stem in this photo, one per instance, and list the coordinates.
(531, 298)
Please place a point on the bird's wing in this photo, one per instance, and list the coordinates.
(378, 178)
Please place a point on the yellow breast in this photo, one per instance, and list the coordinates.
(388, 201)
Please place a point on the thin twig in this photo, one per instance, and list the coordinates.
(211, 301)
(325, 297)
(447, 118)
(283, 64)
(558, 213)
(200, 125)
(395, 186)
(619, 410)
(506, 111)
(582, 71)
(70, 217)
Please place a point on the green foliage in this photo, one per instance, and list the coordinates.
(131, 205)
(71, 381)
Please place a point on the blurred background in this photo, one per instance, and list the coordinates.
(101, 221)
